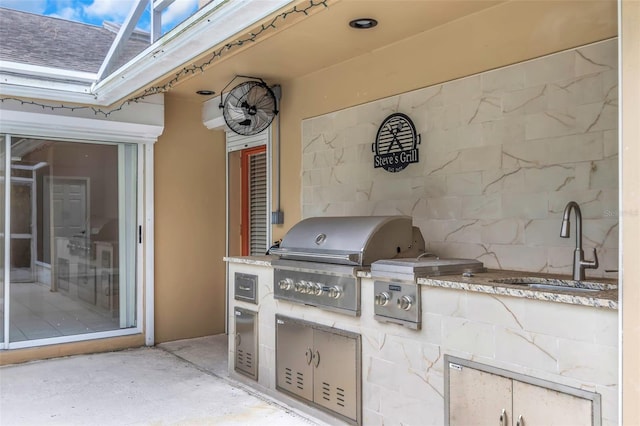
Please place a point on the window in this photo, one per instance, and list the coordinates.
(69, 264)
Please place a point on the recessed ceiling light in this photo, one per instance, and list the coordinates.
(363, 23)
(205, 92)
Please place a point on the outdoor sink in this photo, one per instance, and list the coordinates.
(559, 287)
(555, 284)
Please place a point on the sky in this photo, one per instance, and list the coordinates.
(96, 11)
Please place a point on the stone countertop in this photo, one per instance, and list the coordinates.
(250, 260)
(606, 295)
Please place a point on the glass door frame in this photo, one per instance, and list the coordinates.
(31, 236)
(143, 248)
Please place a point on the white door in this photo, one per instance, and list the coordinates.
(66, 211)
(69, 198)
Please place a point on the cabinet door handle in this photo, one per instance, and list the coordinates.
(309, 355)
(503, 418)
(317, 358)
(520, 421)
(238, 339)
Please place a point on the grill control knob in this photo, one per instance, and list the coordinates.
(301, 286)
(286, 284)
(382, 299)
(405, 303)
(335, 292)
(308, 287)
(317, 289)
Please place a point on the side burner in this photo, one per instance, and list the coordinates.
(411, 269)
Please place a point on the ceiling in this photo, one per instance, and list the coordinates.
(323, 39)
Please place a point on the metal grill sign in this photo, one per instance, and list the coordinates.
(396, 144)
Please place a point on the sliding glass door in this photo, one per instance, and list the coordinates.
(5, 163)
(69, 261)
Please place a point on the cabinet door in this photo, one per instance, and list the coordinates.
(294, 351)
(547, 407)
(478, 398)
(336, 373)
(246, 353)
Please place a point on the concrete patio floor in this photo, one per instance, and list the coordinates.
(177, 383)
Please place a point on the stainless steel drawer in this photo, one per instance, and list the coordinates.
(246, 287)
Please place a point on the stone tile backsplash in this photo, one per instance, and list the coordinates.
(501, 154)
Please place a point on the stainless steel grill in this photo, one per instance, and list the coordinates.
(349, 240)
(320, 256)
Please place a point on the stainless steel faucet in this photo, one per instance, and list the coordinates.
(579, 264)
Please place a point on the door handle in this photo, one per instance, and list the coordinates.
(238, 339)
(309, 355)
(520, 421)
(317, 358)
(503, 418)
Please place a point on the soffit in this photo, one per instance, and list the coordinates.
(324, 39)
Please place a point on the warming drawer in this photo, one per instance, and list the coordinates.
(246, 287)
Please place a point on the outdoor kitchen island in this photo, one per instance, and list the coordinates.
(565, 340)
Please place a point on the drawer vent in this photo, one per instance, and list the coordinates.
(245, 359)
(337, 396)
(340, 397)
(294, 379)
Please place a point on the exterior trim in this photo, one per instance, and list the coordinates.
(213, 24)
(148, 239)
(7, 241)
(141, 122)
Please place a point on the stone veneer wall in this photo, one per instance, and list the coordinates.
(502, 152)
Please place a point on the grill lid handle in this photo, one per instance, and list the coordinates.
(344, 258)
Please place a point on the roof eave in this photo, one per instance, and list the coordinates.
(210, 26)
(32, 81)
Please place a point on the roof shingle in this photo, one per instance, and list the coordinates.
(53, 42)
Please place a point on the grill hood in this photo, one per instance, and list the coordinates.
(351, 240)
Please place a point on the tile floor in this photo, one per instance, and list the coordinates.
(177, 383)
(37, 312)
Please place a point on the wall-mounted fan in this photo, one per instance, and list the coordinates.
(250, 107)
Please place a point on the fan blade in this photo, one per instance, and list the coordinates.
(263, 117)
(236, 113)
(256, 94)
(262, 99)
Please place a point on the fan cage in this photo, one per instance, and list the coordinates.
(249, 108)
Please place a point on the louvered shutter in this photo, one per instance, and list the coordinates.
(256, 229)
(257, 204)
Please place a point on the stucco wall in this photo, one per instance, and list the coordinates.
(189, 225)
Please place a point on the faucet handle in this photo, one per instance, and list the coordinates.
(591, 264)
